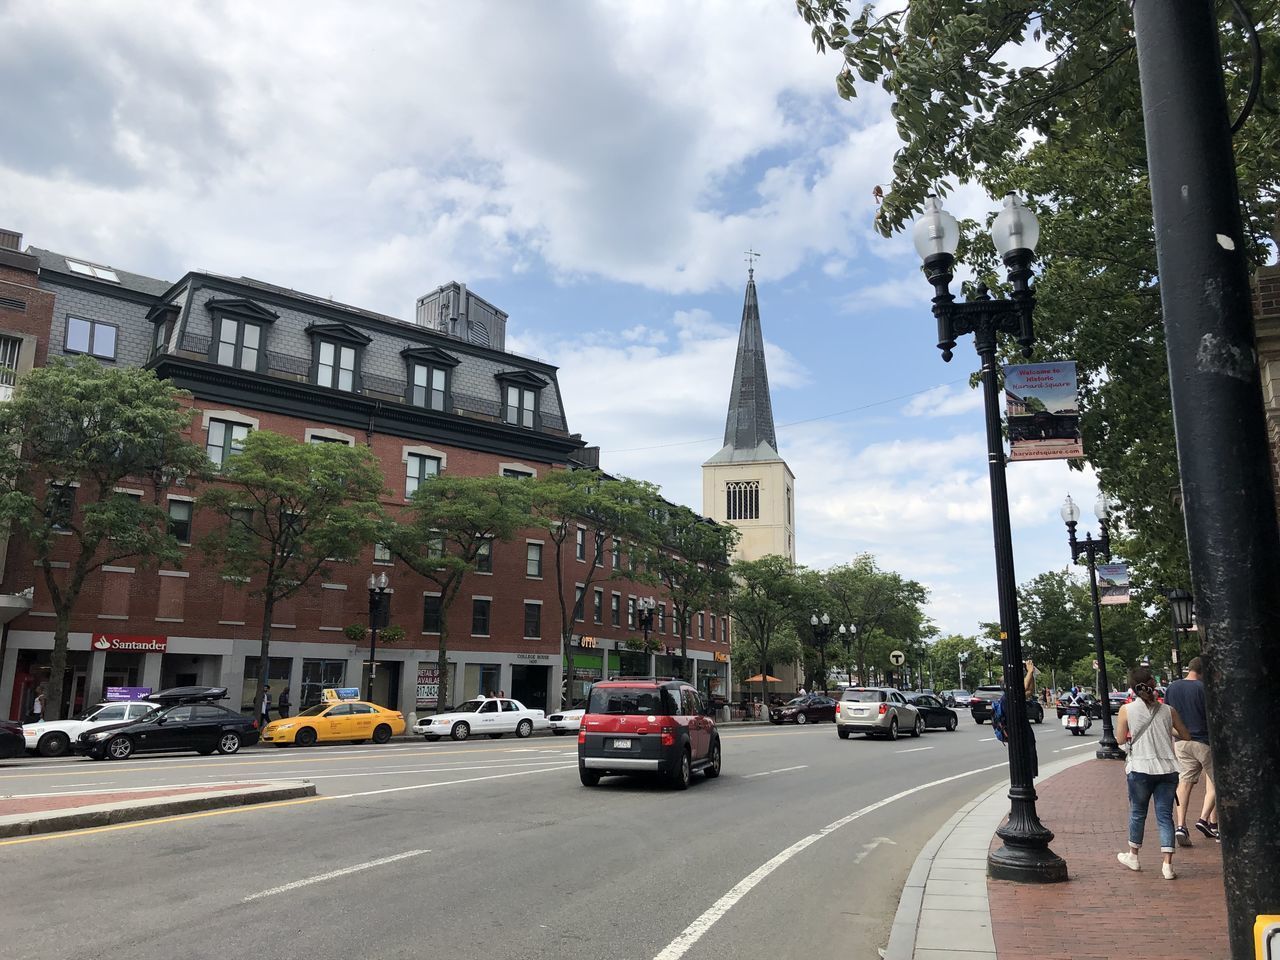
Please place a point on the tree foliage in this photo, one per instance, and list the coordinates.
(1055, 623)
(886, 609)
(286, 510)
(71, 436)
(762, 605)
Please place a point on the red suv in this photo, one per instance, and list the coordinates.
(647, 725)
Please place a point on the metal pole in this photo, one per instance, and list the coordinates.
(373, 641)
(1229, 502)
(1025, 854)
(1108, 749)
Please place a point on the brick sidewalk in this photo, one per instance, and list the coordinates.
(71, 801)
(1105, 910)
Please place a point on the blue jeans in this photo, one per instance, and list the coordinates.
(1142, 786)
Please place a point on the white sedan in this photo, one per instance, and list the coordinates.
(566, 721)
(492, 715)
(54, 738)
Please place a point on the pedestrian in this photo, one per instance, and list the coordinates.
(282, 705)
(502, 694)
(800, 691)
(1028, 693)
(265, 707)
(37, 706)
(1194, 755)
(1151, 766)
(489, 695)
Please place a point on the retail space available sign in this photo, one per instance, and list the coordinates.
(1043, 410)
(1113, 583)
(129, 643)
(128, 693)
(428, 685)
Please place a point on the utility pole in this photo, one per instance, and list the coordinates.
(1219, 420)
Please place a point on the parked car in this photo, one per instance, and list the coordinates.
(980, 706)
(53, 738)
(1117, 699)
(355, 721)
(185, 718)
(493, 716)
(934, 712)
(647, 725)
(810, 708)
(956, 698)
(11, 742)
(566, 721)
(877, 712)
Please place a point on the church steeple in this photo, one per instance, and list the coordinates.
(748, 428)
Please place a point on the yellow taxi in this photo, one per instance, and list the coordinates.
(336, 717)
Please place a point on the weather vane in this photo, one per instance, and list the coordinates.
(750, 261)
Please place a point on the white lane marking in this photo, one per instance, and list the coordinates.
(1077, 746)
(693, 933)
(868, 847)
(913, 750)
(333, 874)
(450, 783)
(986, 739)
(765, 773)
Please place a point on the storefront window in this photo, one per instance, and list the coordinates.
(278, 670)
(317, 675)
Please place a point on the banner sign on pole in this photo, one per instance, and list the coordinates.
(1043, 411)
(1113, 583)
(428, 684)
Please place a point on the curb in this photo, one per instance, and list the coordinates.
(127, 811)
(976, 815)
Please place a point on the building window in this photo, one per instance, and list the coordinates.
(702, 626)
(517, 474)
(10, 348)
(617, 554)
(90, 270)
(521, 406)
(598, 559)
(160, 337)
(631, 613)
(90, 336)
(429, 386)
(419, 468)
(577, 603)
(435, 548)
(580, 544)
(225, 438)
(381, 553)
(597, 607)
(662, 618)
(59, 505)
(484, 557)
(532, 620)
(431, 614)
(533, 560)
(789, 520)
(615, 610)
(239, 343)
(335, 365)
(724, 629)
(713, 629)
(480, 617)
(742, 500)
(180, 520)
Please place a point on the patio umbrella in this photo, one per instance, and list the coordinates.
(760, 678)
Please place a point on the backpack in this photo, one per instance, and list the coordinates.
(999, 721)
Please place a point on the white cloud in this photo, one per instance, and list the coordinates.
(944, 401)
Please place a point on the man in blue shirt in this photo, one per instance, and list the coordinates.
(1194, 756)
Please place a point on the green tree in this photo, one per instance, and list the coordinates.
(944, 655)
(1068, 134)
(762, 605)
(606, 508)
(70, 436)
(288, 510)
(885, 607)
(1055, 624)
(451, 520)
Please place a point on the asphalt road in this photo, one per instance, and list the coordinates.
(494, 850)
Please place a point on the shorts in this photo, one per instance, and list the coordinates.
(1194, 758)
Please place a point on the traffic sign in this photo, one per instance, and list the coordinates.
(1095, 664)
(897, 658)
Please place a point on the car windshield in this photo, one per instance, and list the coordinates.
(471, 706)
(865, 696)
(796, 700)
(315, 711)
(624, 700)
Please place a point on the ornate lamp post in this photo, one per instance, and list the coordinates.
(1181, 612)
(377, 620)
(821, 634)
(847, 636)
(1091, 549)
(1025, 854)
(644, 616)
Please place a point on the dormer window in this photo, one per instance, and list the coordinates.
(239, 333)
(338, 350)
(521, 391)
(428, 375)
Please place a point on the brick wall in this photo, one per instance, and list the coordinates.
(1267, 323)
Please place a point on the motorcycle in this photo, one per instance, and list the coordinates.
(1077, 720)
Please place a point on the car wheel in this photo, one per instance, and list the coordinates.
(381, 733)
(1039, 717)
(229, 743)
(919, 727)
(431, 737)
(952, 723)
(306, 737)
(460, 731)
(683, 774)
(713, 769)
(842, 734)
(978, 721)
(524, 729)
(802, 718)
(53, 744)
(119, 748)
(893, 728)
(589, 778)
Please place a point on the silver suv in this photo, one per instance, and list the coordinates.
(876, 711)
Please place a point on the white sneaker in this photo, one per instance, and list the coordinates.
(1130, 860)
(1167, 871)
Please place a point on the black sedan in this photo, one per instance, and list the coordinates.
(810, 708)
(1088, 704)
(11, 742)
(981, 707)
(933, 710)
(185, 719)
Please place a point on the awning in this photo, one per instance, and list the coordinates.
(758, 678)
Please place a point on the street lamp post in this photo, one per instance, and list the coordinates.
(821, 634)
(1181, 610)
(377, 620)
(847, 636)
(960, 658)
(1025, 853)
(644, 616)
(1091, 549)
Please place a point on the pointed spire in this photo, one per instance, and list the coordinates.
(748, 429)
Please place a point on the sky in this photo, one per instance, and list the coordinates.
(597, 170)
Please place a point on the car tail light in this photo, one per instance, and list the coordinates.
(668, 736)
(884, 708)
(582, 735)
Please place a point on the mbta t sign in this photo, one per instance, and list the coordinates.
(897, 658)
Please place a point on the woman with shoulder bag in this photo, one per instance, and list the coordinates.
(1149, 726)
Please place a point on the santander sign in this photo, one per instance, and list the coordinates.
(127, 643)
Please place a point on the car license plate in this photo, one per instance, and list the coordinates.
(860, 713)
(622, 744)
(1073, 721)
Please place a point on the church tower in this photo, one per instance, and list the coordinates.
(747, 484)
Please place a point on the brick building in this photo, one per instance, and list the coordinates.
(437, 395)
